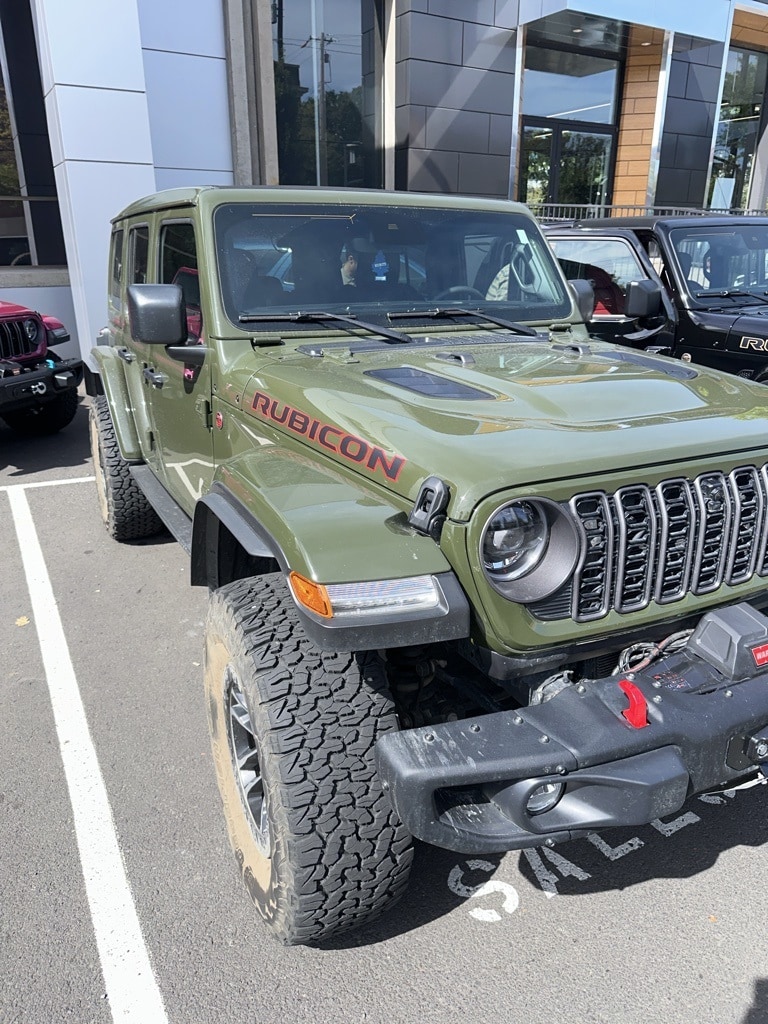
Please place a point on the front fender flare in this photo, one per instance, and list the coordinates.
(314, 520)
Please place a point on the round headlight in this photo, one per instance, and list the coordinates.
(515, 540)
(31, 329)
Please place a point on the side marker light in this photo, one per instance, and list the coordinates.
(313, 596)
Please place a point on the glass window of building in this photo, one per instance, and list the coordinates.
(328, 77)
(14, 243)
(30, 225)
(738, 130)
(570, 110)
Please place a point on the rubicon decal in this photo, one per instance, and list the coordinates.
(350, 446)
(756, 344)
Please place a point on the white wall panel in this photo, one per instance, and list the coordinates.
(104, 125)
(188, 111)
(174, 177)
(167, 25)
(89, 42)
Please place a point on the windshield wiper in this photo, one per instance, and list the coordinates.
(727, 293)
(452, 311)
(350, 322)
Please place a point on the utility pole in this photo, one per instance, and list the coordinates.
(321, 124)
(318, 74)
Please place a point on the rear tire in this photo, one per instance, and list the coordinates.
(45, 419)
(293, 730)
(124, 508)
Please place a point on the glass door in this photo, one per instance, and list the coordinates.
(565, 165)
(536, 166)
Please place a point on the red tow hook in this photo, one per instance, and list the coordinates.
(637, 712)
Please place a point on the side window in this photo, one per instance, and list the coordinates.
(115, 273)
(139, 255)
(608, 264)
(178, 265)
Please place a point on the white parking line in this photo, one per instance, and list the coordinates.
(48, 483)
(132, 990)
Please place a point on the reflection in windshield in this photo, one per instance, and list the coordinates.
(731, 258)
(377, 259)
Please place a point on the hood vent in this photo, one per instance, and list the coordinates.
(430, 384)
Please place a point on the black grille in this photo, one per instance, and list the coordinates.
(14, 343)
(660, 543)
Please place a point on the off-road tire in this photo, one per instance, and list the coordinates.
(334, 854)
(125, 510)
(44, 419)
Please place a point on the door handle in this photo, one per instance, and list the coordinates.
(155, 379)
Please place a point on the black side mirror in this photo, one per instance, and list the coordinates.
(643, 299)
(156, 314)
(584, 294)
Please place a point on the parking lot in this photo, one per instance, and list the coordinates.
(119, 898)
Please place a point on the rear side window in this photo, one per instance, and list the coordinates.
(115, 272)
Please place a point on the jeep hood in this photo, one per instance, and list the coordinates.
(489, 416)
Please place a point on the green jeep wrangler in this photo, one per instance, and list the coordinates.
(475, 578)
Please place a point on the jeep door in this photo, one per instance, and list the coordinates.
(610, 262)
(129, 264)
(179, 393)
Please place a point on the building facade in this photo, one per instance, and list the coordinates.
(574, 105)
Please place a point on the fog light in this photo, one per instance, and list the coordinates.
(544, 798)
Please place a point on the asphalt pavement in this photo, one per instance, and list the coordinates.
(119, 897)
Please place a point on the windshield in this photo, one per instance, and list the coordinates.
(731, 258)
(374, 260)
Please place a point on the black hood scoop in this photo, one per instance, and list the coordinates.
(432, 385)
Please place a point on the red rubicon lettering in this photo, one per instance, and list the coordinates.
(261, 403)
(389, 466)
(351, 447)
(325, 432)
(298, 421)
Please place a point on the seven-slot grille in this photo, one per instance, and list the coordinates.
(646, 544)
(14, 342)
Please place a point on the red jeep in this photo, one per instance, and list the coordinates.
(38, 389)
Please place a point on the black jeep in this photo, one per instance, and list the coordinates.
(714, 273)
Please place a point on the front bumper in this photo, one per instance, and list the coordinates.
(701, 722)
(38, 385)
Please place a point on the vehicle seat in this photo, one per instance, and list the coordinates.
(609, 298)
(262, 290)
(189, 282)
(686, 264)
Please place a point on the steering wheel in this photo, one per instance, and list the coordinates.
(460, 289)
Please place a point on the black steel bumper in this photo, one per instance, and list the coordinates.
(700, 722)
(39, 385)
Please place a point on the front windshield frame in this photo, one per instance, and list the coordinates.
(291, 257)
(716, 261)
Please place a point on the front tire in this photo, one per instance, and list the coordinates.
(293, 730)
(124, 508)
